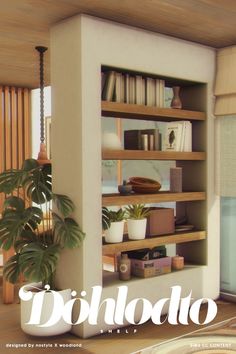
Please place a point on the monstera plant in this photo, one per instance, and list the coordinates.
(28, 224)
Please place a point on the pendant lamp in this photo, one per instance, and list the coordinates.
(42, 156)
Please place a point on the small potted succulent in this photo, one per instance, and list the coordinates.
(137, 221)
(113, 225)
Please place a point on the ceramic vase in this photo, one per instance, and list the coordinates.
(176, 102)
(136, 229)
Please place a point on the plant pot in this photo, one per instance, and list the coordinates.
(48, 303)
(115, 232)
(137, 229)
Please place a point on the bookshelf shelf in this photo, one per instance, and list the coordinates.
(152, 155)
(134, 111)
(129, 245)
(160, 197)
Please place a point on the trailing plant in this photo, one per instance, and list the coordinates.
(109, 216)
(29, 226)
(137, 211)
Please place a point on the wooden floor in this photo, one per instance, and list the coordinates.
(125, 343)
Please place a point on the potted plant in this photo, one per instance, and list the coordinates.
(37, 234)
(137, 221)
(113, 225)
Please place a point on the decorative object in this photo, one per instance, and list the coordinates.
(124, 267)
(28, 229)
(177, 262)
(113, 225)
(59, 328)
(150, 268)
(176, 102)
(111, 141)
(160, 221)
(176, 179)
(42, 156)
(125, 189)
(137, 221)
(144, 185)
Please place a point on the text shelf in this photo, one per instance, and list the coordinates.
(130, 245)
(134, 111)
(159, 197)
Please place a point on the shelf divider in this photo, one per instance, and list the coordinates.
(152, 155)
(134, 111)
(159, 197)
(130, 245)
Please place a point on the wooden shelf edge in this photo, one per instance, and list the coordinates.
(176, 238)
(113, 281)
(152, 155)
(160, 197)
(134, 111)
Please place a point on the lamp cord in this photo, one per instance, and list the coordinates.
(41, 51)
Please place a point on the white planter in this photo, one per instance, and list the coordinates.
(137, 229)
(26, 306)
(115, 232)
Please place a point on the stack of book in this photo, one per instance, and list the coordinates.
(178, 136)
(144, 139)
(136, 89)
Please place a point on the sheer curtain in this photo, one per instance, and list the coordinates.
(225, 111)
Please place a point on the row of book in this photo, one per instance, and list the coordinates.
(177, 137)
(136, 89)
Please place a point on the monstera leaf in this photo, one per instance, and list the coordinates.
(38, 262)
(64, 204)
(11, 180)
(12, 269)
(67, 232)
(16, 219)
(38, 183)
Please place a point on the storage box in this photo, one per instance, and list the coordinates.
(161, 221)
(150, 268)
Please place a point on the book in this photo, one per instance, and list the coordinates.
(132, 140)
(131, 89)
(173, 136)
(150, 92)
(159, 92)
(119, 88)
(178, 136)
(138, 90)
(109, 86)
(126, 87)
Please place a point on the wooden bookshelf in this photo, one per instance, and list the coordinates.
(130, 245)
(160, 197)
(134, 111)
(152, 155)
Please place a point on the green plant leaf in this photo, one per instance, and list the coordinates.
(106, 223)
(15, 221)
(11, 180)
(26, 237)
(64, 204)
(137, 211)
(38, 262)
(15, 203)
(30, 164)
(67, 232)
(11, 269)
